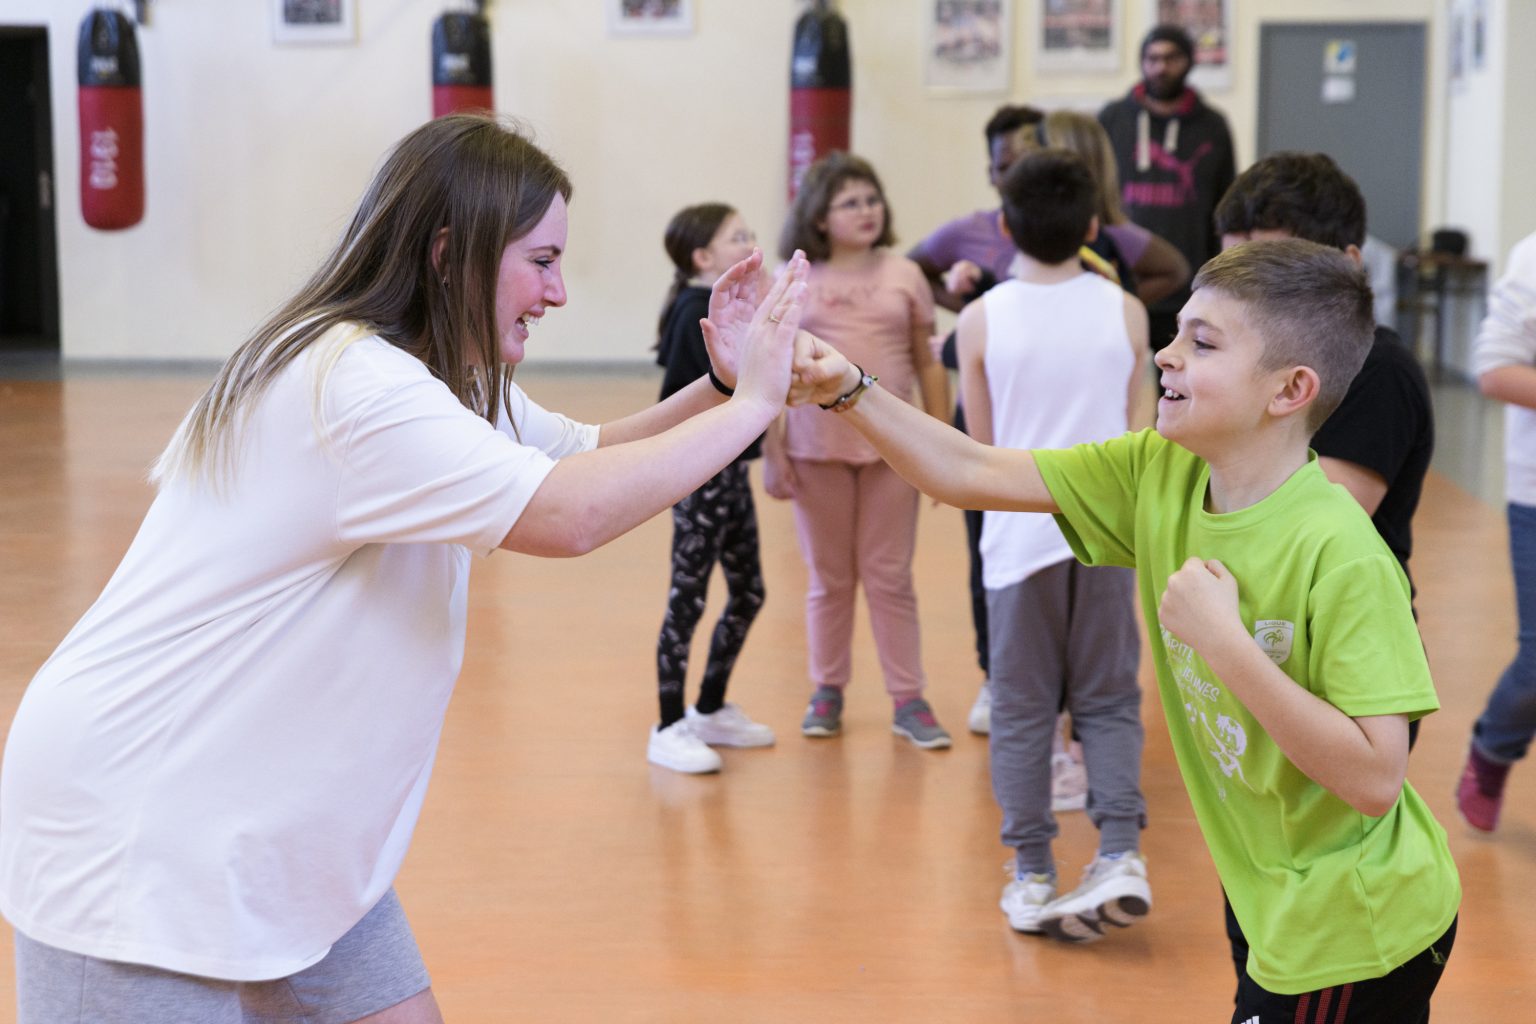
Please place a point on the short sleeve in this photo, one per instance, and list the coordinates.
(1380, 421)
(1366, 655)
(1507, 336)
(1095, 486)
(919, 294)
(940, 249)
(1131, 239)
(418, 467)
(557, 436)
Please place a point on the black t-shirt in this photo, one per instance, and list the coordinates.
(1386, 424)
(681, 349)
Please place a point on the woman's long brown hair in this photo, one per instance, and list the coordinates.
(473, 180)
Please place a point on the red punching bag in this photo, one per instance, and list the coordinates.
(820, 89)
(461, 63)
(111, 122)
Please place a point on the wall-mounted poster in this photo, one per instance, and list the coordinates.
(650, 17)
(1209, 23)
(969, 44)
(1077, 35)
(314, 21)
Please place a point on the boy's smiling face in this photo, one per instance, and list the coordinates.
(1213, 390)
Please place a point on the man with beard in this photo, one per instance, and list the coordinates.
(1174, 155)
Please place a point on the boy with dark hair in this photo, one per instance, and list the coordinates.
(1061, 634)
(1286, 654)
(977, 238)
(1379, 441)
(977, 244)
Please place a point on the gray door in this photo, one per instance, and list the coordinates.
(1355, 91)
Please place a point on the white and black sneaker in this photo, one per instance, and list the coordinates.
(1025, 898)
(1114, 894)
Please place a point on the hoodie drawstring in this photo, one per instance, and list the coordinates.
(1144, 139)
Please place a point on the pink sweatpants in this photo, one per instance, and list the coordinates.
(858, 524)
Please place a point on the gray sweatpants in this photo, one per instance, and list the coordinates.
(1066, 637)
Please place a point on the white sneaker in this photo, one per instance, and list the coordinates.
(1114, 894)
(1069, 783)
(981, 711)
(676, 747)
(729, 727)
(1025, 899)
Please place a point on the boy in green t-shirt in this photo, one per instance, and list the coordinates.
(1286, 653)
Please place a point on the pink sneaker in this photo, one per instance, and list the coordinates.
(1480, 794)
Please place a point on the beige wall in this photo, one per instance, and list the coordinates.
(256, 153)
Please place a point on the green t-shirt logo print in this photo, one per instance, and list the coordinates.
(1274, 637)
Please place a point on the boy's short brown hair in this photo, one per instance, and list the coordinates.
(1311, 306)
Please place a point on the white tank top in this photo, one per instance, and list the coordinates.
(1059, 364)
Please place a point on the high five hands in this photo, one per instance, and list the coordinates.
(744, 333)
(751, 342)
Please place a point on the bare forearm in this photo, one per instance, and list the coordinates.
(933, 385)
(1513, 384)
(591, 498)
(664, 415)
(1331, 748)
(942, 462)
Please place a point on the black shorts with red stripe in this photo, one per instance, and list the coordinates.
(1401, 997)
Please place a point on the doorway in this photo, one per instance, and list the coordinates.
(1353, 90)
(29, 267)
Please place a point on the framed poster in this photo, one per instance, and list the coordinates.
(969, 45)
(1077, 35)
(314, 21)
(650, 17)
(1209, 23)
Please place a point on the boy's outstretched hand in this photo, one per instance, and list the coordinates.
(821, 374)
(1200, 606)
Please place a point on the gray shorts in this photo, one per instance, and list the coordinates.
(369, 969)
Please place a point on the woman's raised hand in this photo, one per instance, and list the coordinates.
(732, 303)
(767, 355)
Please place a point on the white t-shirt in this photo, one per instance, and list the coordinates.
(1059, 364)
(1508, 338)
(219, 769)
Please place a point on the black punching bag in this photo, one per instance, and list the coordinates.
(461, 63)
(820, 89)
(111, 122)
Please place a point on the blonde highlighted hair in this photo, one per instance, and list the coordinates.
(474, 181)
(1082, 134)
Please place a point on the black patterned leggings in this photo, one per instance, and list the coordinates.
(717, 522)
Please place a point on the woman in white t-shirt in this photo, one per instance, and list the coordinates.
(210, 785)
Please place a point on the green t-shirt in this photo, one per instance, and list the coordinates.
(1326, 895)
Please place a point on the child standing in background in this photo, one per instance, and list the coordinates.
(856, 518)
(717, 522)
(1057, 356)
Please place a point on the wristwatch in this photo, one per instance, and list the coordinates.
(846, 402)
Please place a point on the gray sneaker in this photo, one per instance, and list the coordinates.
(915, 721)
(824, 715)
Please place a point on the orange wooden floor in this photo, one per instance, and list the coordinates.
(556, 876)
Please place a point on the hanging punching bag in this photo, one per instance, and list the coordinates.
(461, 63)
(111, 122)
(820, 89)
